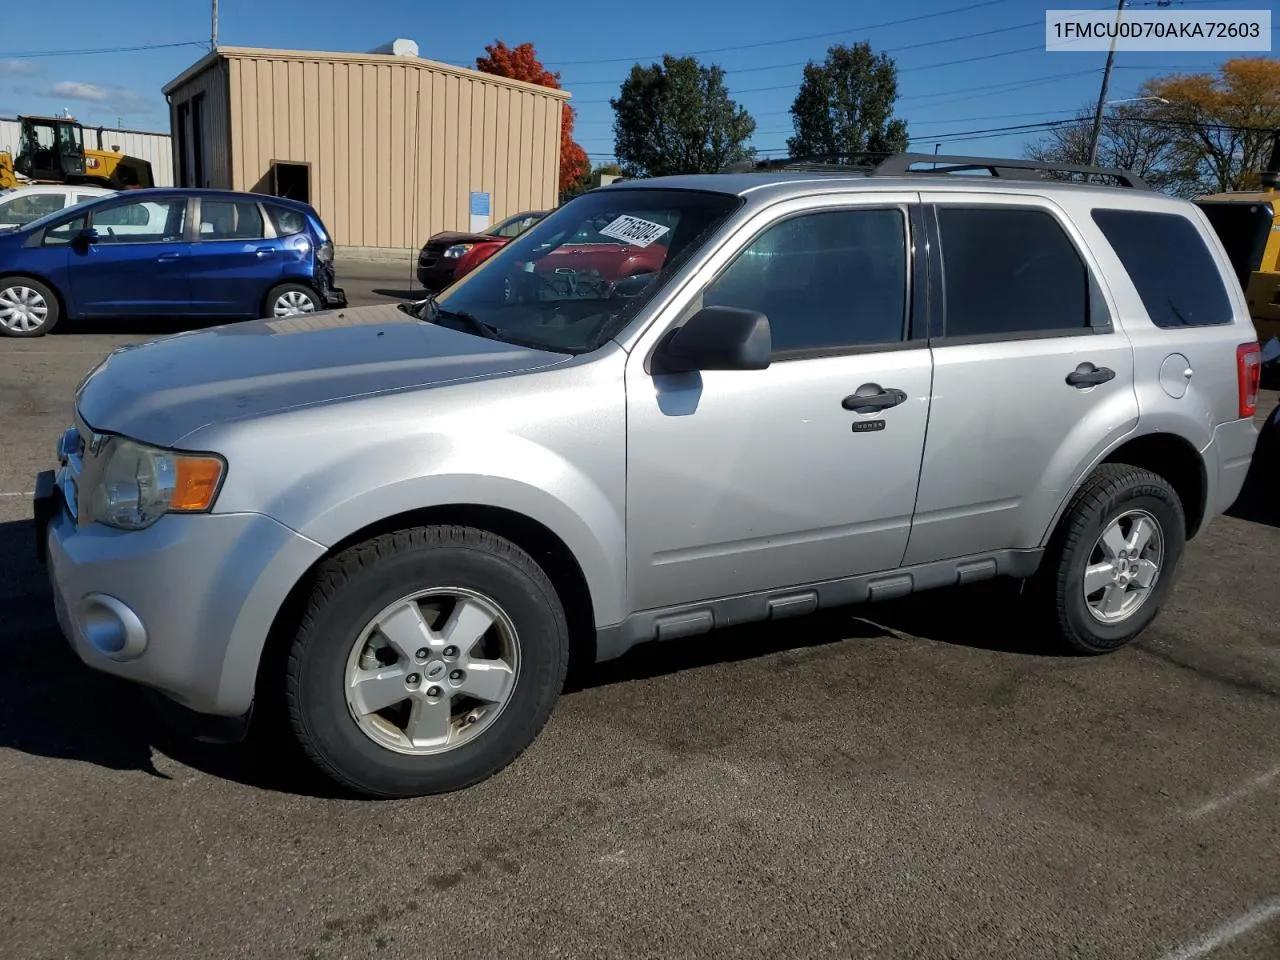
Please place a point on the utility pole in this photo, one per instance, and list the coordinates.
(1096, 132)
(213, 34)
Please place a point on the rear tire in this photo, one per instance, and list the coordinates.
(1113, 559)
(426, 661)
(28, 308)
(291, 300)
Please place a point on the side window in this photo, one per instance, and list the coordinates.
(287, 222)
(1167, 260)
(1010, 271)
(230, 220)
(25, 207)
(141, 221)
(825, 280)
(63, 233)
(82, 197)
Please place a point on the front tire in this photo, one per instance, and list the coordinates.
(1113, 559)
(292, 300)
(28, 308)
(426, 661)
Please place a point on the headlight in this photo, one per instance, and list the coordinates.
(457, 250)
(138, 484)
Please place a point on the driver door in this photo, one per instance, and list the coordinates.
(740, 482)
(139, 265)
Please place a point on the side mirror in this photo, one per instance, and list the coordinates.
(717, 338)
(87, 235)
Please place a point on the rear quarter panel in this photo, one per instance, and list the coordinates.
(1211, 393)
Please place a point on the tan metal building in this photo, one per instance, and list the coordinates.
(389, 148)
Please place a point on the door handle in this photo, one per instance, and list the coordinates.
(871, 397)
(266, 251)
(1087, 375)
(169, 256)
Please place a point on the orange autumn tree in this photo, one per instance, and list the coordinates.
(521, 63)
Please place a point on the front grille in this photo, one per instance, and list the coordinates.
(78, 451)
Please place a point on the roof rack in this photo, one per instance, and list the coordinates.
(901, 164)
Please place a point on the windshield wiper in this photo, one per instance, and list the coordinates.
(430, 311)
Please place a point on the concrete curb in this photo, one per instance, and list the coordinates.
(376, 254)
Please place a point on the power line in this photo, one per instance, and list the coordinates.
(802, 63)
(848, 30)
(773, 43)
(925, 66)
(98, 50)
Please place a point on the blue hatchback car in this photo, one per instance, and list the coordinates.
(166, 252)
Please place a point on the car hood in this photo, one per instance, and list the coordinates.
(162, 390)
(448, 239)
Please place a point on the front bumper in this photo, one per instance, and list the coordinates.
(183, 607)
(437, 274)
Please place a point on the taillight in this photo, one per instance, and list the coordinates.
(324, 252)
(1248, 377)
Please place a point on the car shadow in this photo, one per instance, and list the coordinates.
(1259, 499)
(138, 326)
(417, 294)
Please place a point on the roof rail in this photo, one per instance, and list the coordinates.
(901, 164)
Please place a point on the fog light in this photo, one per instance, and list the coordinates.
(112, 628)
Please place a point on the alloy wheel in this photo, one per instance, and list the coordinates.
(1124, 566)
(432, 671)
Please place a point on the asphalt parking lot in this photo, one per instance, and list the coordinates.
(913, 779)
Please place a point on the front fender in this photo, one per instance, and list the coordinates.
(351, 491)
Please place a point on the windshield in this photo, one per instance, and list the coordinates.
(514, 226)
(578, 277)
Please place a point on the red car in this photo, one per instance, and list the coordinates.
(447, 257)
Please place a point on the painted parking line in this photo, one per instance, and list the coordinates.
(1227, 932)
(19, 493)
(1252, 786)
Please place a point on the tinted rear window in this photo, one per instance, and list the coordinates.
(1169, 264)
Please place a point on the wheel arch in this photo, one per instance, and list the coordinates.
(545, 546)
(1164, 453)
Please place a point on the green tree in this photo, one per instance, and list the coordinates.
(845, 105)
(677, 117)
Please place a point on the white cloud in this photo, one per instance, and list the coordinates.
(18, 68)
(106, 99)
(80, 91)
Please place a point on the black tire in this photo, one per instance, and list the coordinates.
(353, 587)
(50, 299)
(284, 289)
(1058, 589)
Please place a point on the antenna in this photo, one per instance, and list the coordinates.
(413, 180)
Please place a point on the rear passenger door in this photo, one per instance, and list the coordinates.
(1031, 377)
(233, 261)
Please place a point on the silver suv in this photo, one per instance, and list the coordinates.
(673, 405)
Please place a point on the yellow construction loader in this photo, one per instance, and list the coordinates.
(52, 150)
(1249, 226)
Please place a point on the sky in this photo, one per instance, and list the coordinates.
(966, 68)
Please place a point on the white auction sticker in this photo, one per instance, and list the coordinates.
(633, 230)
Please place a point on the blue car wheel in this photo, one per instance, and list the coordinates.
(28, 308)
